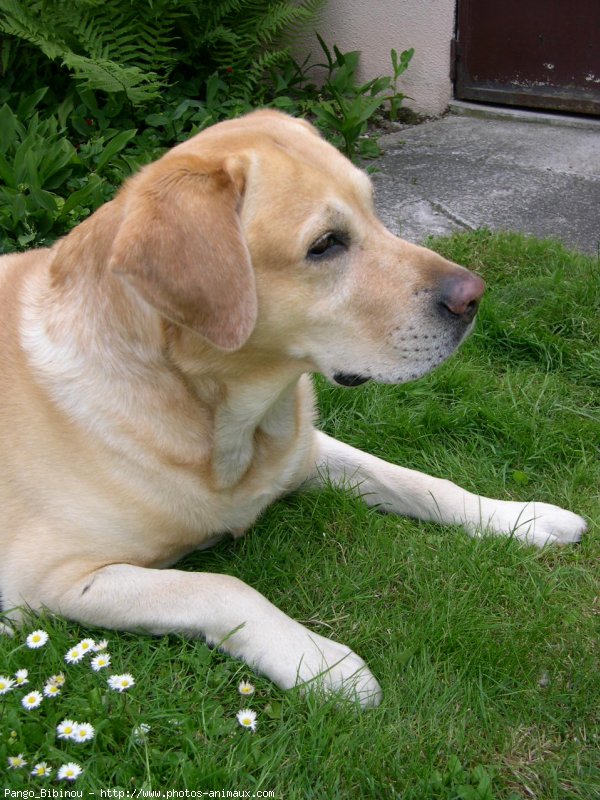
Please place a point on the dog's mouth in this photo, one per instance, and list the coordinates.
(348, 379)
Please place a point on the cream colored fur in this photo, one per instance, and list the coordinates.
(155, 392)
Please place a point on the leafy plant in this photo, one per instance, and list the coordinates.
(111, 46)
(47, 183)
(35, 158)
(399, 66)
(136, 48)
(94, 89)
(353, 105)
(243, 38)
(457, 783)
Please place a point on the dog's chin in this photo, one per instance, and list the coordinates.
(349, 379)
(395, 377)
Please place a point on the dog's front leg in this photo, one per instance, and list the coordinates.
(414, 494)
(223, 610)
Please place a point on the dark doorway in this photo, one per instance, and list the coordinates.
(532, 53)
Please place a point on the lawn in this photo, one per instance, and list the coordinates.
(487, 650)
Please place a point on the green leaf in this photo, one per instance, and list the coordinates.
(60, 155)
(362, 109)
(327, 51)
(455, 769)
(28, 103)
(19, 207)
(274, 710)
(6, 173)
(157, 120)
(81, 196)
(22, 159)
(405, 59)
(466, 792)
(484, 788)
(9, 129)
(326, 116)
(378, 85)
(405, 656)
(6, 52)
(115, 145)
(58, 179)
(520, 477)
(64, 110)
(43, 199)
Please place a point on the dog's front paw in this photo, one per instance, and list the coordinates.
(534, 523)
(333, 667)
(315, 663)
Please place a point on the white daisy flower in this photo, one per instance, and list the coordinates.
(121, 682)
(101, 645)
(246, 688)
(37, 639)
(31, 700)
(247, 718)
(66, 729)
(69, 772)
(86, 645)
(57, 680)
(100, 662)
(6, 684)
(16, 762)
(83, 732)
(41, 770)
(74, 655)
(51, 690)
(21, 677)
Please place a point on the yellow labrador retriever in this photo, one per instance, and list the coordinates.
(155, 396)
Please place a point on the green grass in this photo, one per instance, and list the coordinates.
(487, 650)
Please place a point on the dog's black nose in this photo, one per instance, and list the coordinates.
(459, 296)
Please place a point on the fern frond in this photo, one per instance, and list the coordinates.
(25, 25)
(138, 86)
(107, 46)
(132, 46)
(239, 31)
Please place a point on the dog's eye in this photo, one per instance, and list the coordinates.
(326, 246)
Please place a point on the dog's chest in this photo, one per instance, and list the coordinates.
(254, 459)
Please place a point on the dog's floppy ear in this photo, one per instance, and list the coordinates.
(181, 246)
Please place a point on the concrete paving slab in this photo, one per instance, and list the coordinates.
(462, 173)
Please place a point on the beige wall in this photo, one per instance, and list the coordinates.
(375, 27)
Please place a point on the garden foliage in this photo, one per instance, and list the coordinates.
(93, 89)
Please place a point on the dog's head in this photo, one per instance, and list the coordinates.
(258, 234)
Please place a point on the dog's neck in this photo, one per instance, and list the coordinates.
(128, 355)
(253, 396)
